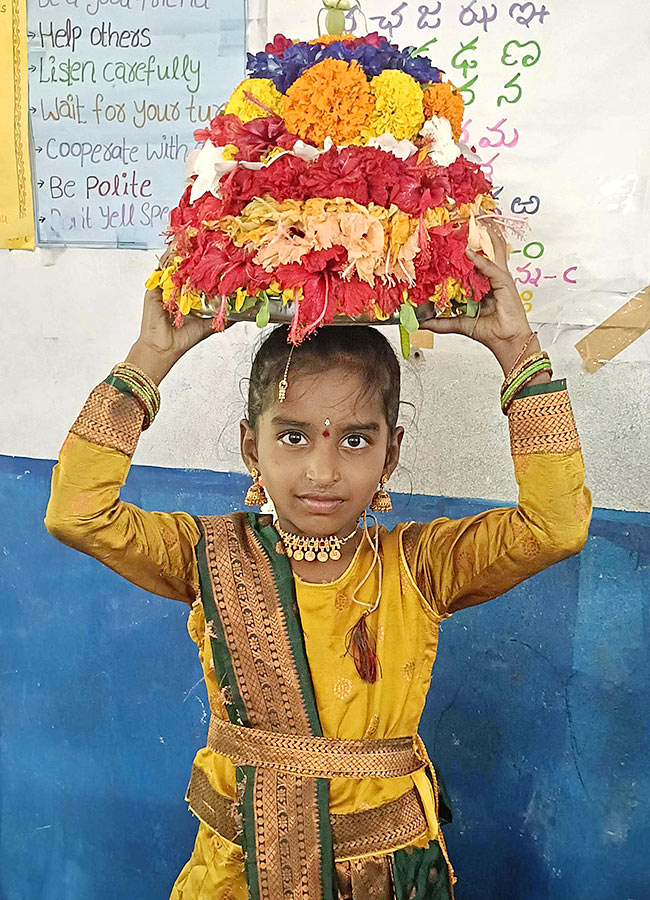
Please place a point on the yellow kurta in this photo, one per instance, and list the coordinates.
(453, 564)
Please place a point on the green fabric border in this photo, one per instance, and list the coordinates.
(222, 661)
(248, 836)
(118, 383)
(286, 587)
(411, 874)
(546, 387)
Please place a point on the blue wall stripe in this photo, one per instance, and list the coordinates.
(537, 713)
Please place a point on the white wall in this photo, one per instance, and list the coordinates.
(70, 314)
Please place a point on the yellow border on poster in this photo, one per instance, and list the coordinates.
(16, 201)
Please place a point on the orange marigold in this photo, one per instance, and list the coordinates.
(330, 38)
(445, 101)
(332, 98)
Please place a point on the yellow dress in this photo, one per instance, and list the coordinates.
(429, 572)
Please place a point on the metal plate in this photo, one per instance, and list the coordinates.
(284, 314)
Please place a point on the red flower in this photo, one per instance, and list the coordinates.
(253, 139)
(442, 255)
(278, 45)
(316, 274)
(218, 267)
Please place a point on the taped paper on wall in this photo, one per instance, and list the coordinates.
(617, 332)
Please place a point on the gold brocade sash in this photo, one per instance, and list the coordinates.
(312, 756)
(381, 829)
(283, 762)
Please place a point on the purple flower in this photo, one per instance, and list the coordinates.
(284, 70)
(420, 68)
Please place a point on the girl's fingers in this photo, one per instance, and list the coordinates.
(445, 325)
(491, 270)
(498, 242)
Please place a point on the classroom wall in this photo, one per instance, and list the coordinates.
(537, 710)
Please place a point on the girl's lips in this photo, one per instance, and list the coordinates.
(322, 505)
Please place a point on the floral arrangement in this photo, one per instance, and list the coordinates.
(334, 180)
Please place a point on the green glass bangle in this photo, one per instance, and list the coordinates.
(143, 389)
(522, 367)
(141, 378)
(126, 386)
(543, 365)
(147, 387)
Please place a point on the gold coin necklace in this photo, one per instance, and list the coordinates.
(311, 549)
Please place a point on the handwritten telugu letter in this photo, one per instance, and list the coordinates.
(117, 88)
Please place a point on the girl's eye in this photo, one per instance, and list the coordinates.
(294, 438)
(355, 442)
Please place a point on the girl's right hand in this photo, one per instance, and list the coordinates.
(158, 332)
(161, 344)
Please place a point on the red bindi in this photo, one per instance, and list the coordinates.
(326, 434)
(327, 424)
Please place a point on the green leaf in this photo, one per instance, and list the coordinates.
(405, 341)
(472, 307)
(408, 318)
(249, 302)
(263, 313)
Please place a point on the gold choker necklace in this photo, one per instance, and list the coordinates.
(313, 548)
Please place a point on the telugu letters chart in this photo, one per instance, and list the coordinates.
(117, 90)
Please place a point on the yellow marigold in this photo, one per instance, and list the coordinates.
(265, 91)
(398, 106)
(444, 101)
(330, 98)
(229, 151)
(330, 38)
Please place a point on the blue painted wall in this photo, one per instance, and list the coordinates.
(537, 715)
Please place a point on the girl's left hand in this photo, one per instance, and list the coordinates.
(502, 320)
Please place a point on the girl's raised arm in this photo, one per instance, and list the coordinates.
(154, 550)
(463, 562)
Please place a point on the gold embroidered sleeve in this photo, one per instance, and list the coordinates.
(154, 550)
(111, 419)
(462, 562)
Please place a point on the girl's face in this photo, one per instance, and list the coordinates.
(322, 452)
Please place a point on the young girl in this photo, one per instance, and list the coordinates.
(317, 633)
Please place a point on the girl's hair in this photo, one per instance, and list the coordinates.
(357, 348)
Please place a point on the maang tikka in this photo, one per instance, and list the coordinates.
(283, 384)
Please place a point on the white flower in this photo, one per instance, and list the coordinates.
(307, 152)
(444, 150)
(209, 165)
(389, 143)
(468, 153)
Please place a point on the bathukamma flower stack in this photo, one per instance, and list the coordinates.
(334, 181)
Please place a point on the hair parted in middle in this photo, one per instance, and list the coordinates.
(360, 349)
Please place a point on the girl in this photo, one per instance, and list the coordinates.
(316, 633)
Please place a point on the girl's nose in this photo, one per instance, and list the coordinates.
(322, 466)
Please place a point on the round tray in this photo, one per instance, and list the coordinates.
(283, 314)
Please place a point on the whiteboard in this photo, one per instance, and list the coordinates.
(117, 89)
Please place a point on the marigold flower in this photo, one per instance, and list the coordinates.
(331, 98)
(261, 88)
(398, 106)
(330, 38)
(444, 101)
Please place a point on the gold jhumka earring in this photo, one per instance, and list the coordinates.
(381, 502)
(256, 495)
